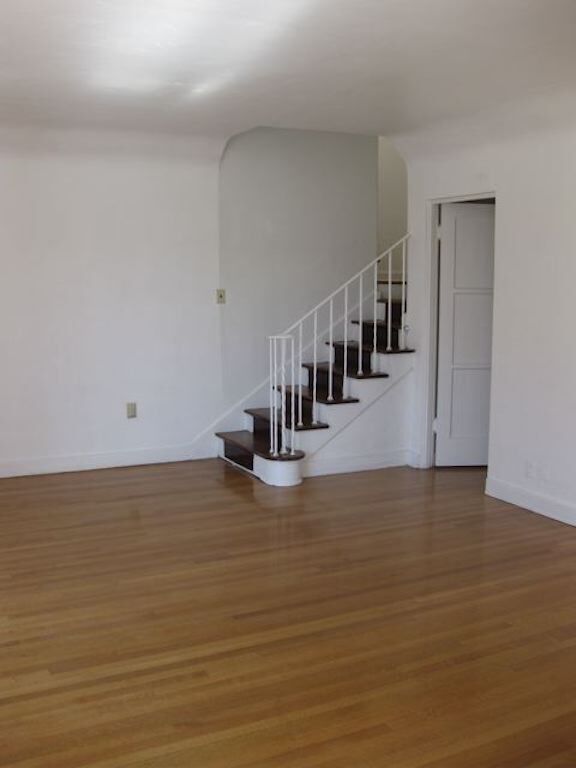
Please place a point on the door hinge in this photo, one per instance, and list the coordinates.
(438, 233)
(435, 426)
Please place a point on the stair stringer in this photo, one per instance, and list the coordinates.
(372, 434)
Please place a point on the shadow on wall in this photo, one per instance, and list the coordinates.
(393, 195)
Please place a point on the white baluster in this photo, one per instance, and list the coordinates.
(389, 345)
(272, 394)
(293, 400)
(300, 333)
(360, 340)
(403, 314)
(283, 448)
(275, 388)
(315, 371)
(375, 329)
(345, 384)
(331, 359)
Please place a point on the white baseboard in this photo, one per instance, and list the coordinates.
(338, 465)
(48, 465)
(557, 509)
(415, 460)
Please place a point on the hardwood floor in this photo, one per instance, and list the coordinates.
(186, 616)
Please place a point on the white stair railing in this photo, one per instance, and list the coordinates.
(286, 351)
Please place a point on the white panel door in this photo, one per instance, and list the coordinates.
(465, 334)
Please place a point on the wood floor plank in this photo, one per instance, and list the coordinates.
(187, 616)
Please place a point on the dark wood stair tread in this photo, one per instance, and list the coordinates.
(383, 281)
(264, 413)
(379, 324)
(321, 396)
(259, 445)
(339, 372)
(380, 349)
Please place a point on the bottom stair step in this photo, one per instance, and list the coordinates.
(251, 444)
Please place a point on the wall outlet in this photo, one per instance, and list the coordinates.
(131, 411)
(220, 296)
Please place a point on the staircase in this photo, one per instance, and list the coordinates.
(326, 370)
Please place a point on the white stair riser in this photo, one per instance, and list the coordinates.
(282, 474)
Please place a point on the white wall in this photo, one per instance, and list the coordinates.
(298, 218)
(533, 420)
(393, 195)
(109, 261)
(108, 264)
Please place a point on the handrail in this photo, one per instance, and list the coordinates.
(383, 255)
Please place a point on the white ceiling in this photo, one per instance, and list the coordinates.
(223, 66)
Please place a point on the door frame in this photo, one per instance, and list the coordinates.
(434, 206)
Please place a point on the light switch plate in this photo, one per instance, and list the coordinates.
(131, 411)
(220, 296)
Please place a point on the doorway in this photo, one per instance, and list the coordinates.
(464, 288)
